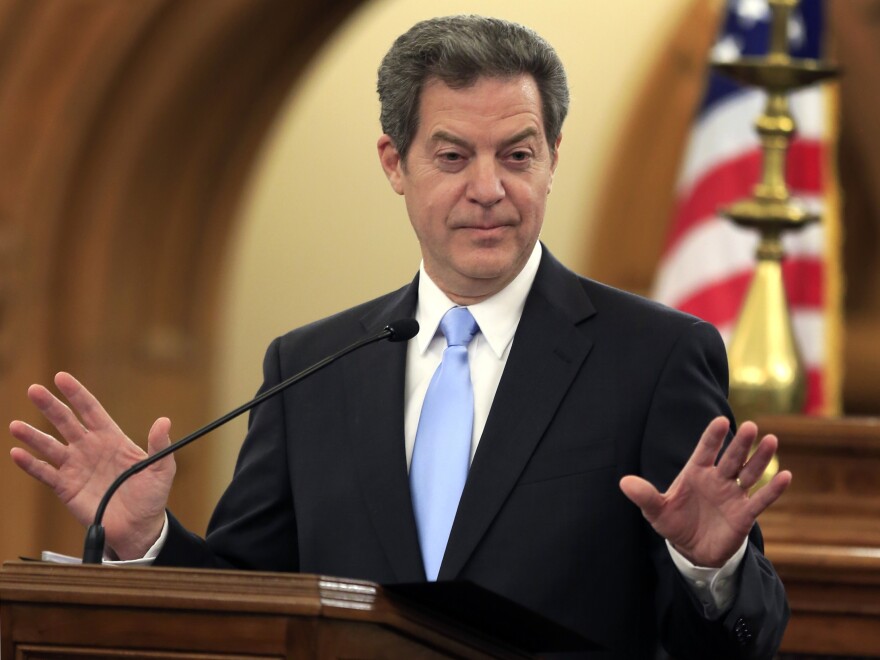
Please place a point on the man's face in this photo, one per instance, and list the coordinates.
(476, 181)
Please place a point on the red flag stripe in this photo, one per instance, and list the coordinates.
(719, 303)
(735, 178)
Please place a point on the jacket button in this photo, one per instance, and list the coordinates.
(742, 631)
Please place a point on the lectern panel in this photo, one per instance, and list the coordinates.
(52, 612)
(41, 652)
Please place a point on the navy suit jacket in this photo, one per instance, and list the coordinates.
(599, 384)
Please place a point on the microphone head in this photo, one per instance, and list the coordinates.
(402, 329)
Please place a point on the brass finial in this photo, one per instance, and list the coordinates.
(766, 371)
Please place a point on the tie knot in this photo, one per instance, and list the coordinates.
(458, 326)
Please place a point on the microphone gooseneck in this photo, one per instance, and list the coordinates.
(93, 551)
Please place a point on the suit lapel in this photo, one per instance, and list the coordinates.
(547, 352)
(375, 394)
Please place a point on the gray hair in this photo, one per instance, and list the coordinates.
(459, 50)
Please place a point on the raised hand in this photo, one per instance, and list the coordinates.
(708, 511)
(94, 452)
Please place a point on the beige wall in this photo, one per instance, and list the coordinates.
(321, 229)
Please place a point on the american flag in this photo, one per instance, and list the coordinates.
(707, 263)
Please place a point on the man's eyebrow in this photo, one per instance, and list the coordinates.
(443, 136)
(519, 137)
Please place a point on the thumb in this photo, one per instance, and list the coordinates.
(159, 437)
(643, 494)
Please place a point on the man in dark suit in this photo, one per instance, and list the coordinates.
(581, 400)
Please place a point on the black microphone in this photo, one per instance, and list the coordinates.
(93, 552)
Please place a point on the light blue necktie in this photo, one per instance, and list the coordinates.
(442, 449)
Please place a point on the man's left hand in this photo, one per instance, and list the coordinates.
(708, 511)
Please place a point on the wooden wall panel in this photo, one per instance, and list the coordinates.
(859, 161)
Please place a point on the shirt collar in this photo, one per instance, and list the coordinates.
(497, 316)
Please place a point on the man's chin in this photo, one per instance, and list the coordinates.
(490, 270)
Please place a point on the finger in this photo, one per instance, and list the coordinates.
(159, 437)
(39, 470)
(734, 457)
(40, 442)
(643, 494)
(756, 465)
(84, 402)
(706, 451)
(767, 495)
(56, 413)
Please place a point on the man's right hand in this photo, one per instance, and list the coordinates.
(95, 453)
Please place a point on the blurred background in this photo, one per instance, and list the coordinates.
(183, 180)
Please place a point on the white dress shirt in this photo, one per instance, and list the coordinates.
(497, 317)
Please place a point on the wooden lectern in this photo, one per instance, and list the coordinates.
(61, 612)
(823, 535)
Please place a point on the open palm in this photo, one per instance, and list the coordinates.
(707, 512)
(94, 452)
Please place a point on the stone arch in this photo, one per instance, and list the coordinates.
(127, 133)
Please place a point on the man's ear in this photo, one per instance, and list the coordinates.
(392, 163)
(555, 162)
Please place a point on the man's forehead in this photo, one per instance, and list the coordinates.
(520, 93)
(433, 81)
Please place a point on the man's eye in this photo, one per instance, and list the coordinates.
(451, 157)
(520, 156)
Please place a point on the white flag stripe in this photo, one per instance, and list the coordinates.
(727, 130)
(688, 268)
(809, 333)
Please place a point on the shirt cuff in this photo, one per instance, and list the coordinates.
(147, 559)
(713, 587)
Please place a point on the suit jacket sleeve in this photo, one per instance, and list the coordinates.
(253, 526)
(693, 380)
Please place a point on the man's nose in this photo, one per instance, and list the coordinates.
(485, 186)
